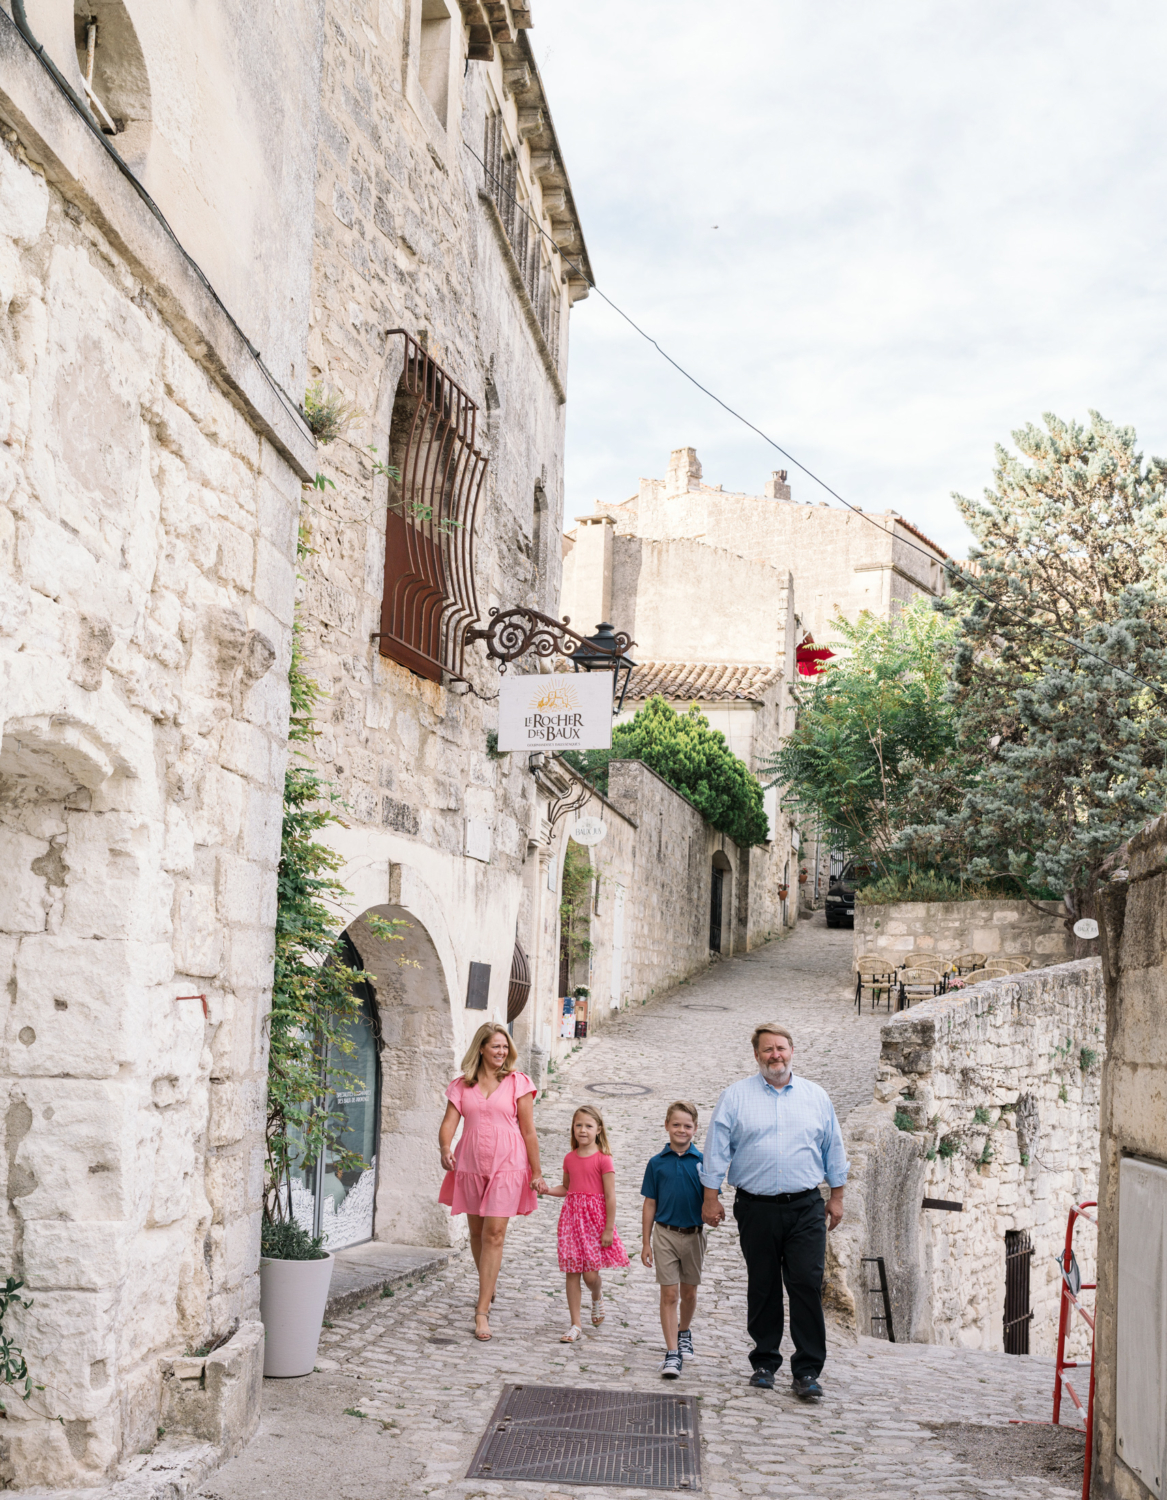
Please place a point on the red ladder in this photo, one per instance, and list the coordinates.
(1072, 1284)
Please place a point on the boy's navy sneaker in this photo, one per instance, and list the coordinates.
(763, 1379)
(807, 1387)
(685, 1343)
(671, 1368)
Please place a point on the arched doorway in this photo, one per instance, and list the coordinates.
(720, 903)
(416, 1054)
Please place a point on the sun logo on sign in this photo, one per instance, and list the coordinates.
(555, 698)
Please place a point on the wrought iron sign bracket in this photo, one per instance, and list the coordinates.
(514, 632)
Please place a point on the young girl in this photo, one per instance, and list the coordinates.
(587, 1220)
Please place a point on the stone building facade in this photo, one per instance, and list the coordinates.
(448, 255)
(987, 1098)
(772, 572)
(150, 476)
(1130, 1351)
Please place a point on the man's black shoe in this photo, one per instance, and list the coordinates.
(806, 1387)
(763, 1379)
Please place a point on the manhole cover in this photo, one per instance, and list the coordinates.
(705, 1007)
(618, 1090)
(559, 1433)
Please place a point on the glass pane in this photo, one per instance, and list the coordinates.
(346, 1197)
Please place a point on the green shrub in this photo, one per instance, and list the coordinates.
(693, 759)
(948, 1147)
(1087, 1058)
(904, 1121)
(981, 1115)
(289, 1241)
(327, 412)
(925, 885)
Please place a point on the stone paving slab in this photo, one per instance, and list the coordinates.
(364, 1271)
(430, 1388)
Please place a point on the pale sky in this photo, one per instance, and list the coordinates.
(934, 222)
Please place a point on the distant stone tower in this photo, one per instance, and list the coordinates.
(684, 471)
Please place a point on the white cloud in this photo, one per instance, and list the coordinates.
(935, 222)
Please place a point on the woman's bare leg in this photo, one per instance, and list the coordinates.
(493, 1234)
(475, 1223)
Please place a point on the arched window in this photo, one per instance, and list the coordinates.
(113, 67)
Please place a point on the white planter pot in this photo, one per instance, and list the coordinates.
(292, 1295)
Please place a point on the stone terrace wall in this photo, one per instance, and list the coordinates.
(952, 927)
(1134, 1117)
(1003, 1078)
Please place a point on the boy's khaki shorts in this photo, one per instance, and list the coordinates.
(677, 1257)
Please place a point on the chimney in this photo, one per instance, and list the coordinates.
(684, 471)
(776, 486)
(591, 593)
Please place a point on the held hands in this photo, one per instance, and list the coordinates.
(540, 1186)
(712, 1209)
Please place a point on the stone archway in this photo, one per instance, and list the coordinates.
(721, 904)
(417, 1063)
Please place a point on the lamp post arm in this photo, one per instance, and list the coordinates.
(512, 633)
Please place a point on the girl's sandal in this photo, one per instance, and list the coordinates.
(573, 1335)
(597, 1311)
(482, 1338)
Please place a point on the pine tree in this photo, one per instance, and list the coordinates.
(1060, 670)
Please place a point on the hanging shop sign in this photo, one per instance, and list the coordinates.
(555, 711)
(588, 831)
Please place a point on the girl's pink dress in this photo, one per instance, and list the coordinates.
(583, 1216)
(492, 1175)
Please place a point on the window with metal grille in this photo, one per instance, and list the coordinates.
(530, 249)
(430, 509)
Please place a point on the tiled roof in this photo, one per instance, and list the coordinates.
(703, 681)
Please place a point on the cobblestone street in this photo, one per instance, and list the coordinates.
(424, 1390)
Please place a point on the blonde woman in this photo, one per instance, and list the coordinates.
(494, 1175)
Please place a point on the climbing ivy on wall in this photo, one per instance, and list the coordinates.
(314, 989)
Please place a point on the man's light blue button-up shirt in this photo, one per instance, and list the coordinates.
(774, 1140)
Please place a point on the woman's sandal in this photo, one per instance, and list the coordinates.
(573, 1335)
(597, 1311)
(483, 1338)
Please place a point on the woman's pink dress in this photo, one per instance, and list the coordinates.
(583, 1216)
(492, 1175)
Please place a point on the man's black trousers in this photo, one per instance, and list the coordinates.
(784, 1242)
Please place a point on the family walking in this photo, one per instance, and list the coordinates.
(774, 1138)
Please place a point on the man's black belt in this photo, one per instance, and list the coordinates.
(682, 1228)
(777, 1197)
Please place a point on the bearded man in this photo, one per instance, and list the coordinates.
(777, 1138)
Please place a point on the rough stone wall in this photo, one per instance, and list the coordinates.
(996, 1090)
(439, 826)
(842, 563)
(146, 583)
(952, 927)
(1134, 1114)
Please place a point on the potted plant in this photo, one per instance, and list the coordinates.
(803, 874)
(782, 890)
(295, 1273)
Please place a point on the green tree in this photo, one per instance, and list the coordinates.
(1060, 668)
(868, 724)
(692, 758)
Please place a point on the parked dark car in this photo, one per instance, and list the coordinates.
(841, 892)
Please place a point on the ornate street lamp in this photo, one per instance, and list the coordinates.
(603, 652)
(515, 632)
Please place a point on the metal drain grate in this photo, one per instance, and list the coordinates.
(573, 1436)
(618, 1090)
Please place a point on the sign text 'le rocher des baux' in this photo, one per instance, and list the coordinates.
(555, 711)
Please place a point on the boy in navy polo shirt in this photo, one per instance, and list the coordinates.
(674, 1236)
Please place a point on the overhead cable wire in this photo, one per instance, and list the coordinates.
(966, 579)
(20, 19)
